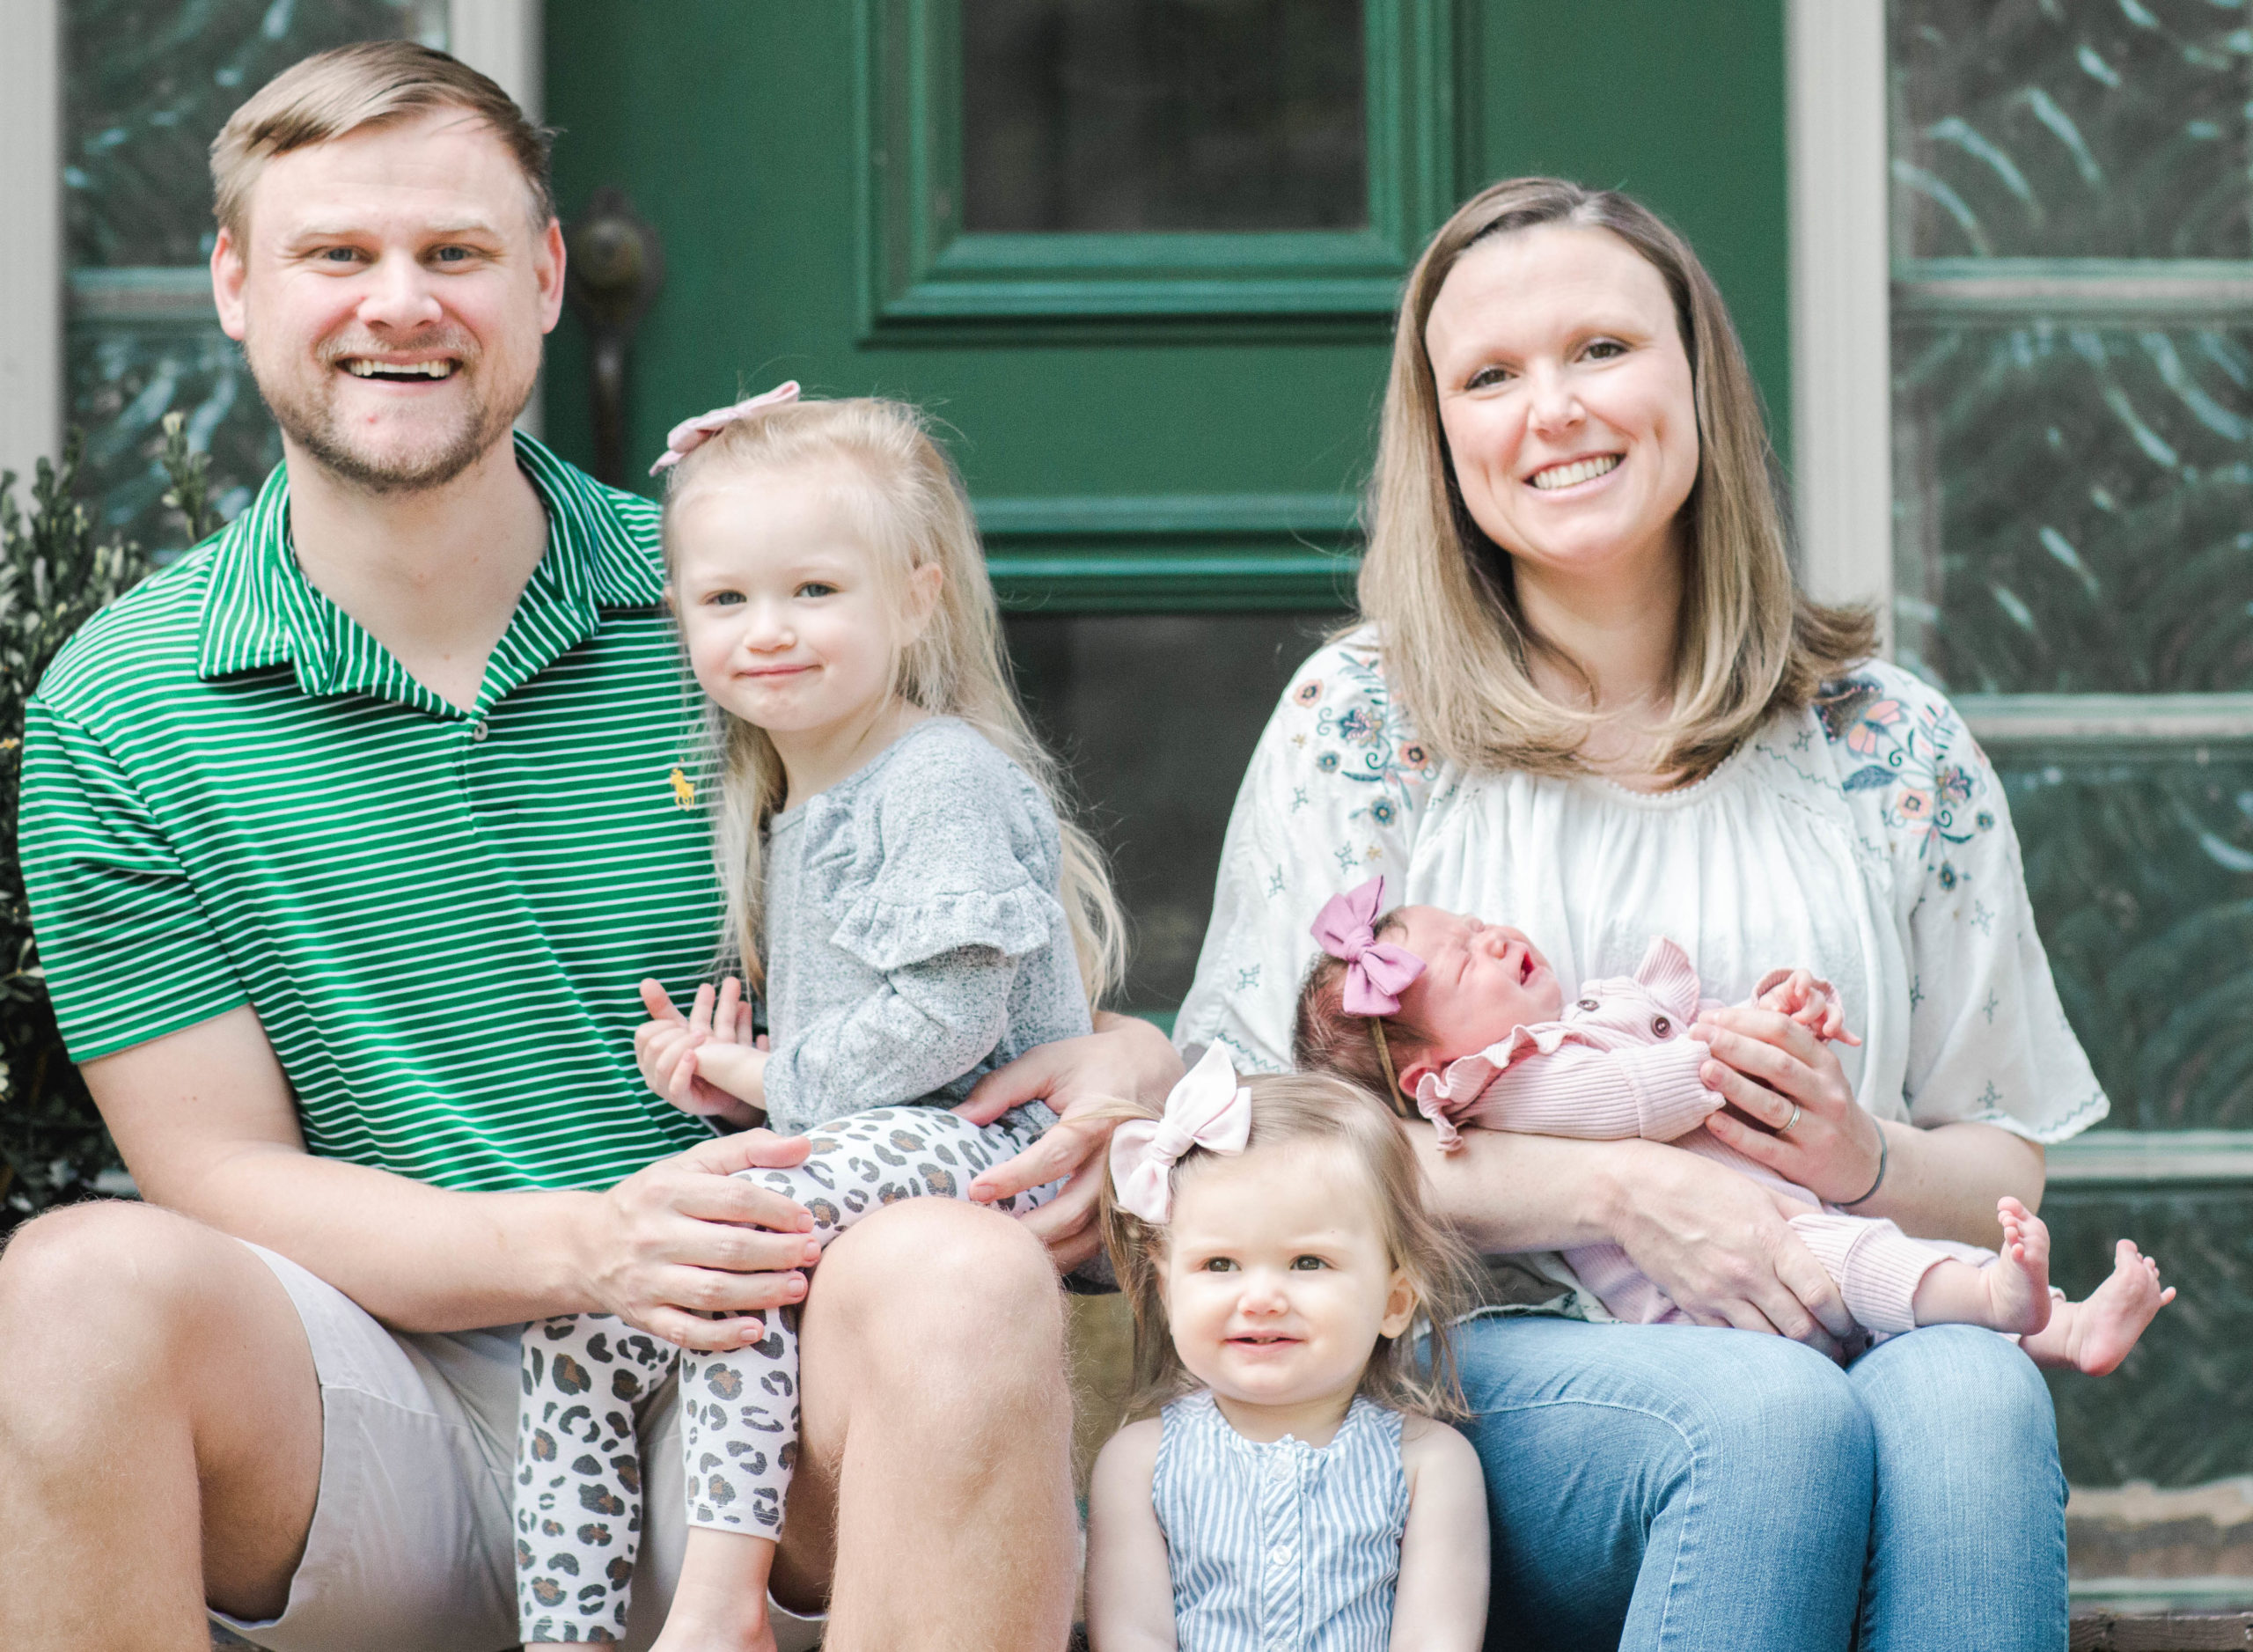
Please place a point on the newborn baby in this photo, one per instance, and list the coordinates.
(1467, 1018)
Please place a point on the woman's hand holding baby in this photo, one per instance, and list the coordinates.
(1770, 1067)
(1721, 1246)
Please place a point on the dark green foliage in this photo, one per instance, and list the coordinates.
(54, 576)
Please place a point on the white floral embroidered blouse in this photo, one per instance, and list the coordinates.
(1867, 839)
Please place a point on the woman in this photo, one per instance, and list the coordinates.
(1586, 698)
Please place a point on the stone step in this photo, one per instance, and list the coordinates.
(2099, 1631)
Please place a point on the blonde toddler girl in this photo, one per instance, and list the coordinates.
(906, 899)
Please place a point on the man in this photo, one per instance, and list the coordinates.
(349, 837)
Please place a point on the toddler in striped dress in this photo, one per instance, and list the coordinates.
(1298, 1489)
(1469, 1020)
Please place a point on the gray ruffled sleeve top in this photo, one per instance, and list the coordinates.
(915, 937)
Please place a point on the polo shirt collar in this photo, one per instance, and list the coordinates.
(261, 610)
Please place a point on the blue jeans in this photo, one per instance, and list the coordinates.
(1670, 1487)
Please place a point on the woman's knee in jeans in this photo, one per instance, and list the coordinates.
(1973, 1387)
(1768, 1407)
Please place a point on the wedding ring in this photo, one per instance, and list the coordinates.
(1784, 1128)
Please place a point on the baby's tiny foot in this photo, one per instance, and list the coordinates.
(2018, 1279)
(2105, 1326)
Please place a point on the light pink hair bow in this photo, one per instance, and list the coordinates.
(1375, 970)
(1207, 1109)
(691, 434)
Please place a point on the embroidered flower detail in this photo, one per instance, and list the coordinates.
(1327, 762)
(1357, 726)
(1914, 806)
(1947, 876)
(1307, 693)
(1984, 820)
(1381, 812)
(1413, 755)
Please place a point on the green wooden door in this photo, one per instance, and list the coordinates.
(1141, 258)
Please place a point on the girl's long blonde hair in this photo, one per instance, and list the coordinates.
(1444, 598)
(914, 511)
(1312, 1107)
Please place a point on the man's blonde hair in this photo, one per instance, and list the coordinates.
(374, 82)
(1457, 646)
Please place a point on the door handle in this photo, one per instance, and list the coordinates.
(615, 265)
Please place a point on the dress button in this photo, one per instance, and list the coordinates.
(479, 729)
(1661, 1026)
(1588, 1003)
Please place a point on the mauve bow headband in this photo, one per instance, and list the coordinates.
(1376, 971)
(691, 434)
(1207, 1109)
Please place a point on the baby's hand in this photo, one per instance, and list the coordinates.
(705, 1063)
(1811, 1002)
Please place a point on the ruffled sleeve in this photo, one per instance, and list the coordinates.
(943, 869)
(1988, 1039)
(1335, 791)
(950, 855)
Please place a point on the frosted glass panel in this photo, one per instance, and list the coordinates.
(2175, 1412)
(148, 86)
(2141, 872)
(2075, 505)
(2085, 128)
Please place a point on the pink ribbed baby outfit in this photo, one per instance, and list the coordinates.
(1617, 1064)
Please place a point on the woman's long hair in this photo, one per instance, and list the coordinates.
(914, 512)
(1312, 1107)
(1457, 646)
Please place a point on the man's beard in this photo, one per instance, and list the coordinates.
(311, 421)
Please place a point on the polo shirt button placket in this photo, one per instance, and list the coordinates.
(479, 729)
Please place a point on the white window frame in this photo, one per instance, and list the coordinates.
(502, 37)
(1842, 437)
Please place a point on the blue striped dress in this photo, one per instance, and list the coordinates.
(1281, 1547)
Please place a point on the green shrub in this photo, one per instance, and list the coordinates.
(54, 576)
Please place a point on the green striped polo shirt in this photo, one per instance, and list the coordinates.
(233, 794)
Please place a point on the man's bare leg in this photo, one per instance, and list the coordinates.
(934, 1495)
(160, 1432)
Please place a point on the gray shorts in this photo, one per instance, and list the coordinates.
(411, 1545)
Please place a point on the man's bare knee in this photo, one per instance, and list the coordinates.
(94, 1270)
(959, 1284)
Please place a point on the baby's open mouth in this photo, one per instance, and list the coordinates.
(1525, 969)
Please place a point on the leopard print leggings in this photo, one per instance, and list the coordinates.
(578, 1463)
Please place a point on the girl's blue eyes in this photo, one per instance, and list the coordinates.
(1227, 1265)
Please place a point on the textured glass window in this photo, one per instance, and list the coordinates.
(2077, 503)
(1162, 114)
(146, 88)
(2072, 372)
(2083, 129)
(1156, 716)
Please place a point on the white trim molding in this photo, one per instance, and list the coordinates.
(31, 248)
(502, 38)
(1841, 360)
(506, 39)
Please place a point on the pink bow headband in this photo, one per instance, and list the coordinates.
(691, 434)
(1207, 1109)
(1376, 971)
